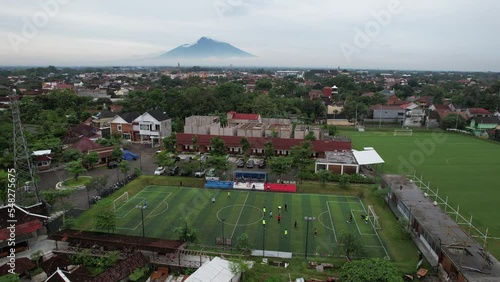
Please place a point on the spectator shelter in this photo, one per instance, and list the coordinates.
(446, 245)
(347, 161)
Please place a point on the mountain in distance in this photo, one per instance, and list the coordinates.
(205, 48)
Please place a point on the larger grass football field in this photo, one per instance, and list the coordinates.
(242, 212)
(463, 168)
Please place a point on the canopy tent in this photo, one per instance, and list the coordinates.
(127, 155)
(367, 157)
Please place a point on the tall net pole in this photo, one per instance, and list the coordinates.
(23, 164)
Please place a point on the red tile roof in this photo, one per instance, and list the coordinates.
(259, 142)
(244, 116)
(479, 111)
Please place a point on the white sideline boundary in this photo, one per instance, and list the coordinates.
(380, 240)
(331, 220)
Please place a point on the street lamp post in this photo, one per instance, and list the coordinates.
(308, 219)
(223, 241)
(142, 207)
(88, 196)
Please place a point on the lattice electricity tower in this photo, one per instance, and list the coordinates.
(23, 164)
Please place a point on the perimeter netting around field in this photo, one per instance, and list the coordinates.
(403, 132)
(120, 201)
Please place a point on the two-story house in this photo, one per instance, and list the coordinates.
(123, 124)
(152, 126)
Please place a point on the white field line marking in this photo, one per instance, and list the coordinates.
(241, 211)
(319, 220)
(380, 240)
(331, 220)
(146, 215)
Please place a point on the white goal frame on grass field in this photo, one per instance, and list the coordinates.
(403, 132)
(374, 218)
(118, 201)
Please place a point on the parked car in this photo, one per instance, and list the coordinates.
(112, 165)
(174, 170)
(200, 173)
(160, 170)
(240, 163)
(184, 173)
(250, 164)
(262, 163)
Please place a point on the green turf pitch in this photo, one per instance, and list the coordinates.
(463, 168)
(168, 207)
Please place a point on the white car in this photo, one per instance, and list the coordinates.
(160, 170)
(200, 173)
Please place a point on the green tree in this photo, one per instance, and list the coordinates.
(239, 266)
(310, 136)
(89, 160)
(269, 150)
(124, 168)
(218, 147)
(105, 218)
(263, 84)
(11, 278)
(324, 176)
(452, 121)
(281, 165)
(194, 140)
(75, 168)
(301, 155)
(97, 183)
(220, 163)
(375, 269)
(165, 159)
(345, 180)
(51, 196)
(187, 233)
(243, 243)
(349, 243)
(169, 143)
(117, 154)
(72, 155)
(245, 145)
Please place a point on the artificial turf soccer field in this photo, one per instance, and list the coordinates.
(463, 168)
(168, 207)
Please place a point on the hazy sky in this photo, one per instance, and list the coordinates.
(397, 34)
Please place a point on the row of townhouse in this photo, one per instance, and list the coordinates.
(282, 146)
(149, 127)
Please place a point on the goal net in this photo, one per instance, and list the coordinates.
(373, 218)
(403, 132)
(120, 201)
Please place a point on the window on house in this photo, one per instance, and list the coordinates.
(145, 126)
(126, 136)
(119, 127)
(157, 127)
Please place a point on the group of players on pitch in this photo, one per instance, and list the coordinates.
(285, 206)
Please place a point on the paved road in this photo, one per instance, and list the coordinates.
(48, 180)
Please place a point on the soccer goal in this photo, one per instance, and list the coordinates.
(403, 132)
(374, 218)
(120, 201)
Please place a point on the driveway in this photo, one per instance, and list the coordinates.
(49, 179)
